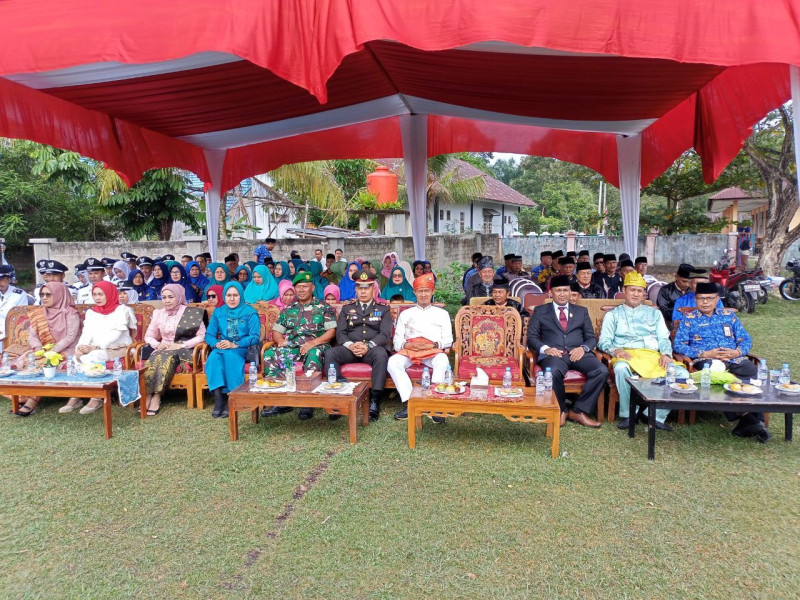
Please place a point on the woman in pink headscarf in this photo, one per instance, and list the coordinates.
(331, 294)
(173, 332)
(285, 294)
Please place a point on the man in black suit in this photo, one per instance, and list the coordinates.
(563, 335)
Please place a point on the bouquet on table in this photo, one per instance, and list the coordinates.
(47, 358)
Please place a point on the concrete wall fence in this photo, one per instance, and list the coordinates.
(440, 249)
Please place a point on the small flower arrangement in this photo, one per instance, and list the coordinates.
(47, 357)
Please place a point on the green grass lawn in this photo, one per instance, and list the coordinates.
(170, 508)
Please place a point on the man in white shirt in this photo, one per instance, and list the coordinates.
(96, 271)
(10, 297)
(50, 270)
(420, 328)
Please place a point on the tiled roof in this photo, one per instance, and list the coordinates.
(736, 193)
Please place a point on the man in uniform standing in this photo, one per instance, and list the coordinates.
(96, 271)
(10, 296)
(363, 330)
(145, 264)
(712, 333)
(130, 259)
(50, 270)
(304, 331)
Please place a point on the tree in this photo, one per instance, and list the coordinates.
(771, 150)
(313, 185)
(506, 170)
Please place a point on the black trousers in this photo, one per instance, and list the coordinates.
(745, 369)
(590, 366)
(376, 357)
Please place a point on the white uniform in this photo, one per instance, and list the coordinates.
(8, 300)
(432, 323)
(85, 295)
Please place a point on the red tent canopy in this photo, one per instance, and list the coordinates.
(258, 83)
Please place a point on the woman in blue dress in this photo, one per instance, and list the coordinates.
(232, 328)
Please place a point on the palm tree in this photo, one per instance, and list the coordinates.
(313, 185)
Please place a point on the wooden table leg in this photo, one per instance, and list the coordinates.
(352, 419)
(412, 429)
(14, 404)
(254, 415)
(107, 413)
(233, 422)
(364, 409)
(550, 427)
(556, 431)
(143, 396)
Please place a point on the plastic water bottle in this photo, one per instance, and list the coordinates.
(6, 362)
(763, 372)
(540, 383)
(448, 376)
(670, 374)
(785, 376)
(70, 365)
(426, 379)
(117, 368)
(548, 380)
(331, 374)
(507, 378)
(252, 373)
(288, 372)
(705, 377)
(31, 361)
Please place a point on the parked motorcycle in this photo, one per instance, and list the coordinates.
(790, 287)
(744, 288)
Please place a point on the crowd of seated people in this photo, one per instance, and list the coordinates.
(226, 295)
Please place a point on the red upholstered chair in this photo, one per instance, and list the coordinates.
(488, 337)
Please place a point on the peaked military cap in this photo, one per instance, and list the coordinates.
(363, 278)
(5, 270)
(93, 264)
(51, 266)
(108, 262)
(168, 257)
(144, 260)
(128, 256)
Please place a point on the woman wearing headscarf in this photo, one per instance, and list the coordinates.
(347, 287)
(212, 300)
(127, 293)
(173, 332)
(409, 272)
(292, 269)
(398, 284)
(177, 275)
(263, 287)
(286, 294)
(143, 291)
(419, 268)
(282, 271)
(121, 271)
(219, 275)
(319, 281)
(243, 276)
(389, 260)
(251, 264)
(331, 294)
(197, 280)
(106, 334)
(54, 322)
(337, 272)
(232, 329)
(160, 279)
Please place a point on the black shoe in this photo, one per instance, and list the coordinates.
(25, 411)
(374, 404)
(438, 420)
(275, 410)
(764, 435)
(305, 414)
(224, 413)
(401, 415)
(216, 413)
(624, 424)
(663, 426)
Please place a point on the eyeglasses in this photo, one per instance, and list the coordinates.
(46, 295)
(212, 296)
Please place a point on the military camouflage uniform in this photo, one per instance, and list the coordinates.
(300, 323)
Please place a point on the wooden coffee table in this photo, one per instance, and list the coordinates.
(531, 409)
(68, 389)
(242, 399)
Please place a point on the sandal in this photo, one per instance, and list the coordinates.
(86, 410)
(153, 413)
(22, 412)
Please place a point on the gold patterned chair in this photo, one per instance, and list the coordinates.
(488, 337)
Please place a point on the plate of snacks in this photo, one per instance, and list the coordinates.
(95, 370)
(742, 389)
(336, 385)
(270, 384)
(683, 388)
(508, 392)
(7, 373)
(31, 372)
(449, 390)
(790, 389)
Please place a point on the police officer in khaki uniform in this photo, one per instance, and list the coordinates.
(363, 330)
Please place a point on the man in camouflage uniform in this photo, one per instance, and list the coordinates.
(710, 334)
(304, 332)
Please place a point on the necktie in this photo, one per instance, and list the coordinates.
(562, 318)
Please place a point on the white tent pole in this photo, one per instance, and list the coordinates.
(629, 159)
(215, 159)
(794, 75)
(414, 130)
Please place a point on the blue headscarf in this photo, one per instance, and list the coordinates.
(191, 296)
(141, 289)
(319, 281)
(404, 288)
(268, 290)
(247, 281)
(201, 281)
(159, 282)
(241, 311)
(284, 271)
(347, 286)
(299, 265)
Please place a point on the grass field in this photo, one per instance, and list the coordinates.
(170, 508)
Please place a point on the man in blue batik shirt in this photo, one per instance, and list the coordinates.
(711, 334)
(687, 300)
(264, 251)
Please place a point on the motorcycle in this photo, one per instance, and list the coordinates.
(743, 288)
(790, 287)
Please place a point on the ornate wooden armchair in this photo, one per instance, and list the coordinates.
(267, 316)
(488, 337)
